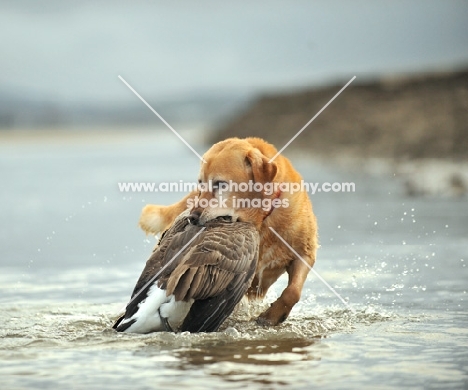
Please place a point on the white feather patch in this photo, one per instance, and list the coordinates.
(147, 316)
(175, 312)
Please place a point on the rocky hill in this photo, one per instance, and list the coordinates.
(412, 117)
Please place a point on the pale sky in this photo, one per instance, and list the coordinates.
(74, 51)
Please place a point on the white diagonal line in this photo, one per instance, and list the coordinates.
(163, 268)
(160, 117)
(308, 123)
(211, 316)
(314, 271)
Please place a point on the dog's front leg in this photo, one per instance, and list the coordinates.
(280, 309)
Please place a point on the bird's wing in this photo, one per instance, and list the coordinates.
(223, 258)
(206, 315)
(217, 275)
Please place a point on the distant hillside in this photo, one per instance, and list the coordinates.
(22, 111)
(410, 117)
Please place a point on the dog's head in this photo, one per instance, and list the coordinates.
(232, 181)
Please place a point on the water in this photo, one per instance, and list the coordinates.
(71, 253)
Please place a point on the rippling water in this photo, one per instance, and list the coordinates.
(71, 254)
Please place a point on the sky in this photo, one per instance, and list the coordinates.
(74, 51)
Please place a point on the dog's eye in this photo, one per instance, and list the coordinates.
(217, 183)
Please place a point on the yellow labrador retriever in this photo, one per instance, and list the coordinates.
(266, 203)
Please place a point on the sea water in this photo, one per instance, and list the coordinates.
(71, 253)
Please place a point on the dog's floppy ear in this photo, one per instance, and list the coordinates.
(262, 170)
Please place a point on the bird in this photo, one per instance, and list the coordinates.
(194, 278)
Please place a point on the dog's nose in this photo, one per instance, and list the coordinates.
(194, 218)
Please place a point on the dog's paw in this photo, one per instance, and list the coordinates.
(152, 219)
(273, 316)
(262, 321)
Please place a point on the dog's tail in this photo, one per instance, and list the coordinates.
(156, 219)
